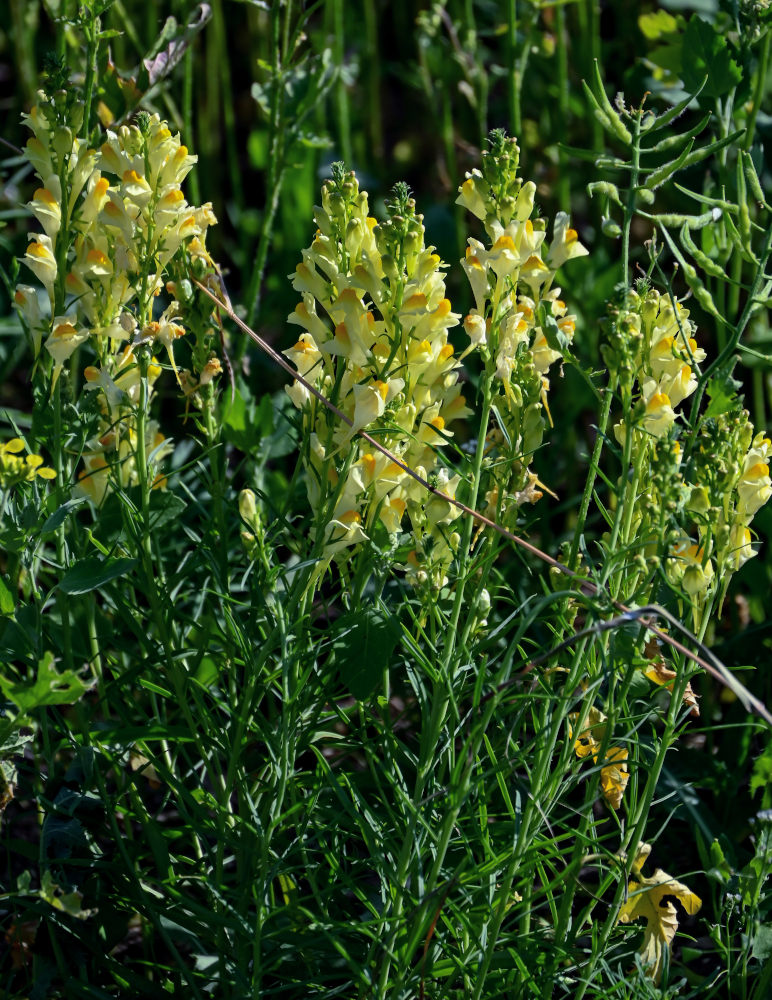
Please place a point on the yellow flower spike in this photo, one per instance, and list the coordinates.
(369, 461)
(650, 899)
(210, 371)
(660, 415)
(565, 244)
(470, 197)
(136, 188)
(95, 200)
(97, 265)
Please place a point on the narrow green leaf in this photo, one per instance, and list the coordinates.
(666, 171)
(90, 574)
(52, 523)
(7, 602)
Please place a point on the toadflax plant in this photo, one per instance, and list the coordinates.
(376, 322)
(113, 221)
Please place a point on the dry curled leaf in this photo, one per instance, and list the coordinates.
(648, 899)
(660, 673)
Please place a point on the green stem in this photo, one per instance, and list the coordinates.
(758, 94)
(513, 81)
(600, 437)
(635, 160)
(341, 95)
(92, 38)
(429, 738)
(273, 184)
(563, 187)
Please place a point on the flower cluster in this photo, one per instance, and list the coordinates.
(730, 483)
(713, 492)
(113, 221)
(519, 322)
(15, 469)
(375, 323)
(659, 349)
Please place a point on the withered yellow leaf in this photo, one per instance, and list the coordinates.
(648, 900)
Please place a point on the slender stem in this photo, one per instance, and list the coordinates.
(635, 159)
(92, 37)
(513, 83)
(341, 95)
(430, 736)
(758, 94)
(589, 486)
(274, 181)
(563, 187)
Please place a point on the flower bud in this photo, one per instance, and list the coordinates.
(62, 141)
(248, 509)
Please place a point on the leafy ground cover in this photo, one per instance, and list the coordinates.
(434, 663)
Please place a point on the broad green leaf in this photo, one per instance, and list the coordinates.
(722, 390)
(49, 687)
(657, 23)
(761, 948)
(761, 777)
(363, 647)
(706, 54)
(90, 574)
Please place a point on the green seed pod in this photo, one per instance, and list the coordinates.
(752, 178)
(605, 189)
(610, 228)
(76, 115)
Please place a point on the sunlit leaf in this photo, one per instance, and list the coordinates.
(648, 899)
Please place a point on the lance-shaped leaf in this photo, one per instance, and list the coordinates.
(649, 899)
(604, 111)
(663, 173)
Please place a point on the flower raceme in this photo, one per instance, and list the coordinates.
(375, 323)
(113, 221)
(519, 322)
(654, 352)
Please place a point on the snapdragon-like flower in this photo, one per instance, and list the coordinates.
(519, 323)
(375, 323)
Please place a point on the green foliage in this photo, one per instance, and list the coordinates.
(230, 769)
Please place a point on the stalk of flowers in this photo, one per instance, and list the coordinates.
(519, 323)
(115, 220)
(699, 520)
(653, 355)
(730, 482)
(375, 319)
